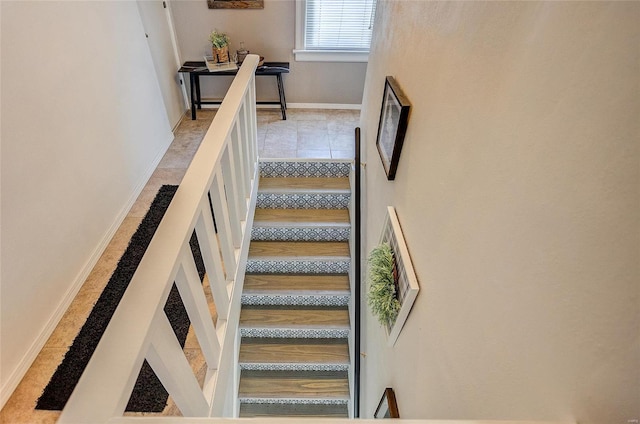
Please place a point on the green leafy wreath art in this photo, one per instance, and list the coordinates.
(382, 297)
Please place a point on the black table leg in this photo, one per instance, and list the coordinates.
(192, 85)
(198, 96)
(283, 101)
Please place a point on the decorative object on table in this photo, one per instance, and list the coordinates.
(213, 66)
(387, 407)
(393, 286)
(393, 126)
(235, 4)
(242, 53)
(219, 46)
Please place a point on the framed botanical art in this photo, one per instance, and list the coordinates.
(393, 126)
(407, 286)
(387, 407)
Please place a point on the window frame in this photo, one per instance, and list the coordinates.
(301, 54)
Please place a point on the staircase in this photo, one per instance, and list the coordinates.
(294, 322)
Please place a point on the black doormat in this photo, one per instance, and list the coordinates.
(148, 394)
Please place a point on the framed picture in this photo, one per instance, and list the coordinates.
(388, 407)
(408, 287)
(235, 4)
(393, 126)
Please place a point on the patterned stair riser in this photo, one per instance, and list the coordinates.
(296, 333)
(294, 367)
(299, 231)
(295, 300)
(268, 200)
(299, 401)
(304, 169)
(327, 233)
(284, 266)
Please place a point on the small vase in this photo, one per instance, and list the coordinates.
(242, 53)
(220, 55)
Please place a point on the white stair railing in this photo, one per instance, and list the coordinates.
(223, 176)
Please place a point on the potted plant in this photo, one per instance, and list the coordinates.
(219, 46)
(383, 280)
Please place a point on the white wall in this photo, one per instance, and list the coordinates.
(518, 192)
(269, 32)
(83, 125)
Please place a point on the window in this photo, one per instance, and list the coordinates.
(334, 30)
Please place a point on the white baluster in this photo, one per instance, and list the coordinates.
(253, 118)
(211, 256)
(195, 302)
(221, 211)
(239, 168)
(247, 145)
(232, 191)
(172, 368)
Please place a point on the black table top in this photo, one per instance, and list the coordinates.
(269, 68)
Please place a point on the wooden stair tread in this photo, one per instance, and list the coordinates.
(261, 283)
(294, 317)
(272, 351)
(298, 248)
(252, 410)
(274, 384)
(302, 215)
(304, 183)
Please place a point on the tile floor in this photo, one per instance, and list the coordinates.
(307, 133)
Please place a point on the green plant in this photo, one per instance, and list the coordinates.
(382, 291)
(218, 39)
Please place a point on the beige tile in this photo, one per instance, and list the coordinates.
(278, 153)
(342, 142)
(99, 276)
(338, 127)
(188, 140)
(73, 319)
(143, 202)
(306, 114)
(20, 408)
(311, 126)
(165, 176)
(262, 135)
(344, 115)
(265, 116)
(122, 237)
(177, 157)
(282, 127)
(342, 154)
(313, 154)
(278, 141)
(313, 140)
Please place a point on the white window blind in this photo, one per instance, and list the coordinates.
(342, 25)
(334, 30)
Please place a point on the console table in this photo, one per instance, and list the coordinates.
(198, 69)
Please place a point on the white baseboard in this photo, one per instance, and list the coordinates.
(302, 106)
(322, 106)
(27, 360)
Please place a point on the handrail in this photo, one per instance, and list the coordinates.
(357, 277)
(222, 177)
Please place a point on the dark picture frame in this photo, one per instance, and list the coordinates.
(392, 127)
(387, 407)
(235, 4)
